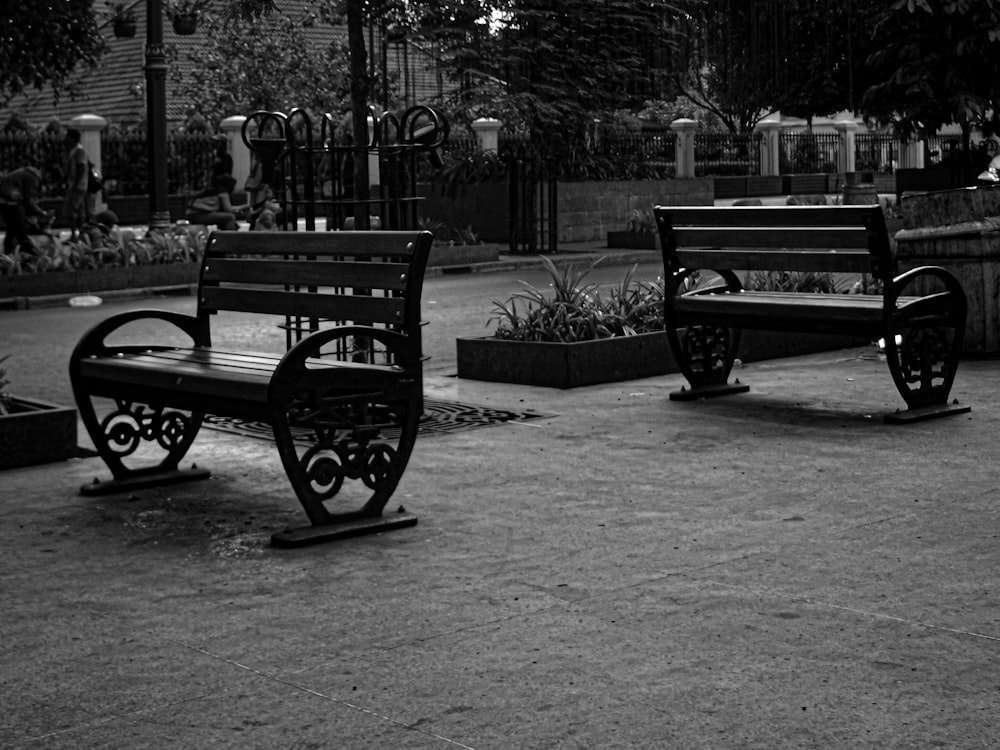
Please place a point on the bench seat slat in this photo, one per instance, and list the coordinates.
(768, 216)
(775, 260)
(771, 237)
(357, 245)
(832, 313)
(230, 376)
(389, 276)
(388, 310)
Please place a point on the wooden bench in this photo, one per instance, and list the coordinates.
(349, 303)
(922, 330)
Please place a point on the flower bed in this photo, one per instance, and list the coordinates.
(103, 260)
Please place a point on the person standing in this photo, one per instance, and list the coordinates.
(19, 192)
(77, 205)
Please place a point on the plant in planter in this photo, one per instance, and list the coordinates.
(573, 336)
(33, 431)
(184, 15)
(123, 19)
(640, 232)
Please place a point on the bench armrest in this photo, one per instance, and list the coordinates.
(894, 289)
(93, 341)
(401, 346)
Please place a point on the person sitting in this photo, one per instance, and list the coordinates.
(265, 212)
(99, 227)
(215, 206)
(22, 216)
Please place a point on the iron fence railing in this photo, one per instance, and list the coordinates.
(46, 151)
(942, 148)
(876, 152)
(807, 152)
(726, 154)
(125, 163)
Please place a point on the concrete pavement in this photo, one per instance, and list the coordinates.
(772, 570)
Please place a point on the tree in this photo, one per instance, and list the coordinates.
(742, 59)
(43, 43)
(939, 63)
(548, 66)
(248, 65)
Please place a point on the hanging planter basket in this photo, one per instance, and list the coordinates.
(185, 24)
(124, 29)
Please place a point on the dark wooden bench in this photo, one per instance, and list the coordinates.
(351, 376)
(922, 329)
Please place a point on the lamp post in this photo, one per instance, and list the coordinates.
(156, 117)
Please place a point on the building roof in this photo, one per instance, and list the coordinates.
(116, 88)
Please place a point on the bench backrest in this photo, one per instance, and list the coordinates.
(776, 238)
(337, 277)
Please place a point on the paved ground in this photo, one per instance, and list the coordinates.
(773, 570)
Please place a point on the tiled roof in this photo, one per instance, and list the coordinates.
(115, 89)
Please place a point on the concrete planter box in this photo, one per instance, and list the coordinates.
(760, 186)
(555, 365)
(98, 280)
(36, 432)
(634, 240)
(462, 255)
(805, 184)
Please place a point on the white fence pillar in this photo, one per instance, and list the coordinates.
(90, 127)
(770, 146)
(232, 128)
(684, 147)
(846, 129)
(488, 132)
(911, 155)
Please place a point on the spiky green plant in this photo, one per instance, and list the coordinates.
(574, 309)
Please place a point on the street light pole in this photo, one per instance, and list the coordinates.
(156, 117)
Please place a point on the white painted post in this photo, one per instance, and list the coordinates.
(846, 129)
(374, 176)
(684, 147)
(232, 127)
(770, 146)
(487, 131)
(90, 127)
(911, 155)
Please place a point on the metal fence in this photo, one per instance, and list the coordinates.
(726, 154)
(876, 152)
(47, 151)
(808, 153)
(125, 163)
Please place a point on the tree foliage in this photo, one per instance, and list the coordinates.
(938, 62)
(742, 59)
(547, 66)
(248, 65)
(43, 43)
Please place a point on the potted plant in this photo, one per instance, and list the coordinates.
(122, 19)
(33, 431)
(640, 233)
(575, 336)
(184, 15)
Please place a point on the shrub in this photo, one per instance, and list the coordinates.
(575, 310)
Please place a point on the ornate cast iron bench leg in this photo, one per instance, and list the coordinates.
(705, 354)
(924, 360)
(120, 434)
(362, 434)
